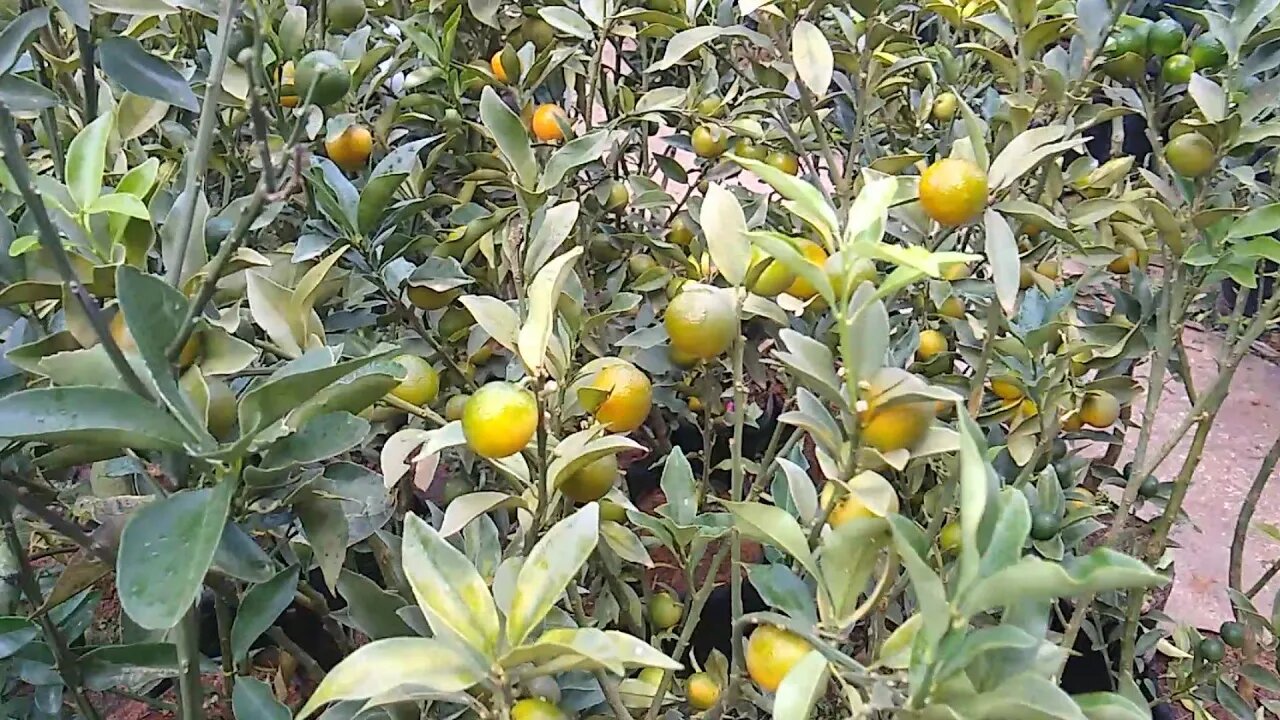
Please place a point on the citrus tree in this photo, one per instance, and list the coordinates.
(388, 312)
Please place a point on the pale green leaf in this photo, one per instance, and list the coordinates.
(544, 294)
(550, 569)
(451, 593)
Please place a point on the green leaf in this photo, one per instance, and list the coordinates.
(319, 439)
(567, 21)
(165, 551)
(242, 558)
(15, 632)
(551, 232)
(509, 133)
(931, 595)
(625, 543)
(689, 40)
(259, 609)
(1025, 152)
(425, 664)
(1027, 697)
(86, 161)
(14, 37)
(802, 687)
(813, 362)
(812, 56)
(589, 649)
(94, 415)
(803, 199)
(1110, 706)
(451, 593)
(1258, 221)
(1008, 534)
(22, 95)
(725, 227)
(125, 61)
(782, 589)
(775, 526)
(292, 385)
(578, 151)
(386, 177)
(129, 665)
(1002, 253)
(549, 570)
(371, 609)
(326, 529)
(1209, 97)
(1035, 579)
(468, 507)
(495, 317)
(976, 487)
(153, 311)
(678, 486)
(544, 294)
(253, 699)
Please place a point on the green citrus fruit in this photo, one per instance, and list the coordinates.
(950, 537)
(539, 32)
(709, 141)
(945, 107)
(1190, 155)
(591, 481)
(784, 161)
(321, 76)
(345, 15)
(665, 611)
(1044, 525)
(1177, 69)
(1150, 486)
(1133, 40)
(618, 197)
(1208, 52)
(1166, 37)
(701, 321)
(681, 231)
(745, 147)
(1232, 633)
(454, 407)
(770, 276)
(1211, 649)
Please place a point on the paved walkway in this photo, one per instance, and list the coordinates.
(1244, 431)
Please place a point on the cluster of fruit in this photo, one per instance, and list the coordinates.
(1166, 41)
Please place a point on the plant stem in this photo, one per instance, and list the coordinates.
(222, 611)
(190, 691)
(308, 663)
(12, 493)
(607, 684)
(52, 243)
(66, 661)
(199, 159)
(735, 489)
(88, 74)
(1238, 537)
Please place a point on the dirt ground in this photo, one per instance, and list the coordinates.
(1244, 431)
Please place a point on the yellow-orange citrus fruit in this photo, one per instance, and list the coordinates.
(546, 123)
(499, 419)
(1006, 388)
(950, 537)
(932, 344)
(630, 396)
(955, 271)
(454, 407)
(351, 148)
(1121, 265)
(591, 481)
(771, 653)
(288, 98)
(894, 427)
(1100, 409)
(702, 691)
(952, 307)
(124, 339)
(709, 141)
(536, 709)
(953, 191)
(773, 277)
(421, 382)
(701, 321)
(495, 65)
(814, 253)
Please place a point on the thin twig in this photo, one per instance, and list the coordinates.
(88, 75)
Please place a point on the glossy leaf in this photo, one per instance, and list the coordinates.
(544, 294)
(242, 558)
(125, 61)
(725, 227)
(96, 415)
(165, 551)
(589, 648)
(812, 56)
(802, 687)
(495, 317)
(782, 589)
(16, 34)
(550, 569)
(15, 634)
(253, 699)
(1032, 579)
(578, 151)
(775, 526)
(383, 666)
(1002, 253)
(557, 223)
(510, 135)
(1110, 706)
(86, 160)
(260, 608)
(452, 595)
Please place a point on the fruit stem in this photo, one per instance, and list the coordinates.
(199, 160)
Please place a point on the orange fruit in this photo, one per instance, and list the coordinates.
(1191, 155)
(1121, 265)
(288, 98)
(1006, 388)
(814, 253)
(495, 65)
(351, 148)
(773, 277)
(953, 191)
(849, 507)
(771, 653)
(945, 107)
(702, 691)
(499, 419)
(629, 399)
(1100, 409)
(536, 709)
(702, 322)
(546, 123)
(952, 307)
(421, 382)
(896, 426)
(784, 161)
(709, 141)
(591, 481)
(932, 344)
